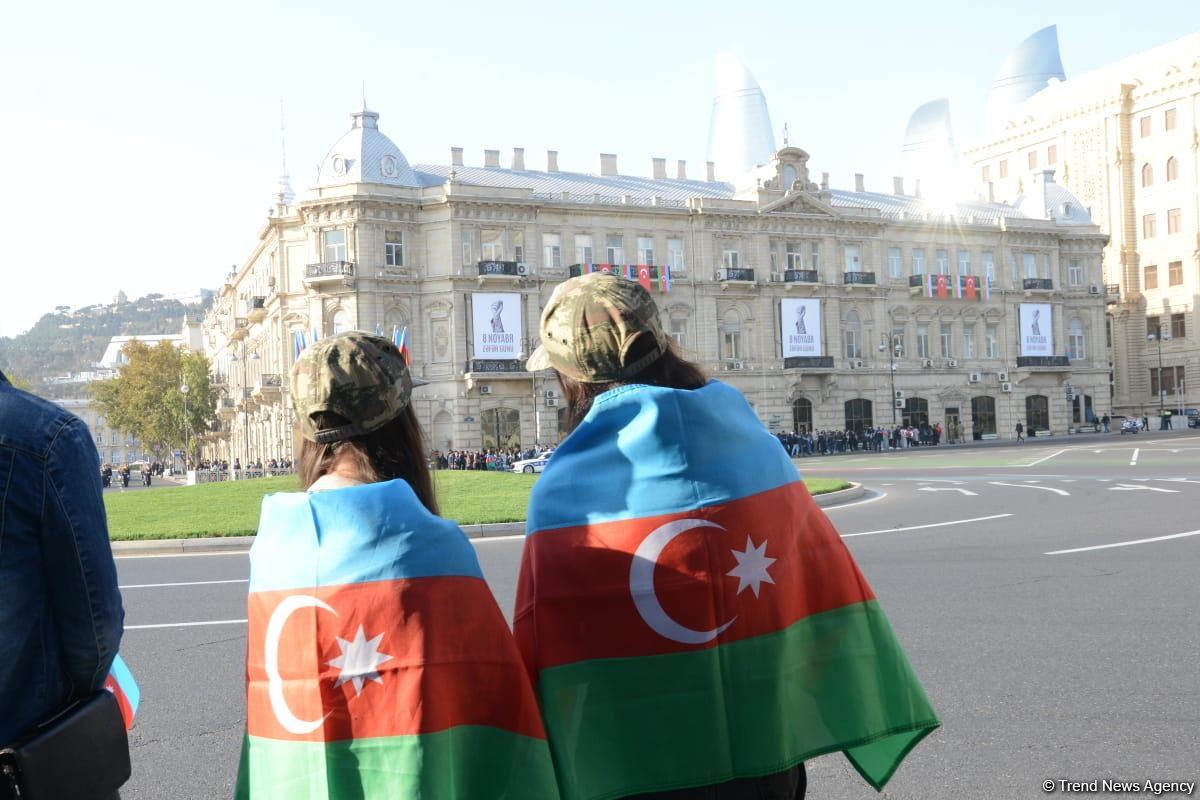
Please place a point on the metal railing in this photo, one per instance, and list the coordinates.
(1037, 284)
(861, 278)
(801, 276)
(734, 274)
(329, 269)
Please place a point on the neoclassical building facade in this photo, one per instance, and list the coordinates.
(1123, 139)
(827, 308)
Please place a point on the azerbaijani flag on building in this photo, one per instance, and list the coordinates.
(930, 280)
(378, 663)
(664, 278)
(694, 617)
(125, 689)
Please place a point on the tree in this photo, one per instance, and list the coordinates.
(145, 398)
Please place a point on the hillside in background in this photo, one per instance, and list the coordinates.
(71, 341)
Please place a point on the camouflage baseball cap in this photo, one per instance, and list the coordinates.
(354, 375)
(589, 326)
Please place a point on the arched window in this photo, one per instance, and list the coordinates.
(916, 412)
(983, 416)
(1147, 175)
(858, 414)
(1076, 347)
(852, 336)
(340, 322)
(802, 415)
(1172, 169)
(501, 428)
(1037, 413)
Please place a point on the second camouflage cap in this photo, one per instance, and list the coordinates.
(355, 375)
(589, 326)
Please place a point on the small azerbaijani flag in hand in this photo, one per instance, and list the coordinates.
(378, 663)
(400, 339)
(125, 689)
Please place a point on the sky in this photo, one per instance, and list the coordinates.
(142, 144)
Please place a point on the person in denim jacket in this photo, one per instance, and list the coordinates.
(60, 610)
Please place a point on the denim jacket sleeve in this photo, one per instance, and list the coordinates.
(82, 576)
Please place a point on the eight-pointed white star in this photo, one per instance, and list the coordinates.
(751, 569)
(359, 660)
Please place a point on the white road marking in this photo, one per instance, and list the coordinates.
(1062, 492)
(1122, 544)
(183, 583)
(947, 489)
(922, 527)
(1125, 487)
(185, 555)
(879, 496)
(1040, 460)
(186, 624)
(1179, 480)
(1133, 461)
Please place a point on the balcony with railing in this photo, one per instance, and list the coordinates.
(226, 408)
(734, 275)
(858, 278)
(328, 271)
(1037, 284)
(268, 385)
(801, 276)
(819, 363)
(1112, 293)
(505, 269)
(1052, 363)
(257, 309)
(241, 328)
(575, 270)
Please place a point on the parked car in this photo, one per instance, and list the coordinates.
(531, 465)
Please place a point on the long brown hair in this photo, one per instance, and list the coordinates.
(397, 450)
(669, 370)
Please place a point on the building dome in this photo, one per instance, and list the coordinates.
(739, 135)
(1027, 71)
(365, 155)
(1052, 201)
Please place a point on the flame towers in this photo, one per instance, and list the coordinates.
(740, 135)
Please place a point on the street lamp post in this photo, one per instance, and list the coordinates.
(187, 428)
(1157, 338)
(893, 352)
(245, 403)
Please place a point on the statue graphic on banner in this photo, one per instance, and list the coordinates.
(800, 331)
(497, 320)
(1035, 328)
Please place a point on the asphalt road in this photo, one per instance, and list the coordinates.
(1049, 652)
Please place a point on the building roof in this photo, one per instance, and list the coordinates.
(365, 154)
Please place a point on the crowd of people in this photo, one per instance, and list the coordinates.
(497, 459)
(854, 440)
(254, 468)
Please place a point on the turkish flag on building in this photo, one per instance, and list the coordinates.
(941, 287)
(644, 276)
(971, 294)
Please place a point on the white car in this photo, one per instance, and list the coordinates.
(531, 465)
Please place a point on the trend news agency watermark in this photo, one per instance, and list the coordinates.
(1111, 786)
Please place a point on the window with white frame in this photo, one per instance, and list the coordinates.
(645, 250)
(918, 261)
(852, 336)
(518, 243)
(1075, 272)
(964, 262)
(583, 248)
(730, 259)
(989, 266)
(943, 262)
(922, 341)
(333, 244)
(968, 346)
(393, 248)
(678, 330)
(993, 346)
(551, 250)
(1075, 340)
(492, 248)
(853, 259)
(795, 255)
(895, 262)
(1046, 273)
(468, 247)
(340, 322)
(731, 336)
(675, 254)
(1029, 263)
(946, 341)
(815, 256)
(614, 246)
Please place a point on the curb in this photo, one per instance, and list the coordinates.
(840, 497)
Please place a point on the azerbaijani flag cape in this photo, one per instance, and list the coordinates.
(378, 664)
(690, 616)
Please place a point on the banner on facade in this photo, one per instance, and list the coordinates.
(800, 327)
(497, 325)
(1037, 329)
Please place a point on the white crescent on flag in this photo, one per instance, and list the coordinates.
(279, 617)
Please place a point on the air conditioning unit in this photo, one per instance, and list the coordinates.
(1006, 387)
(927, 362)
(974, 377)
(550, 393)
(898, 403)
(737, 364)
(857, 363)
(523, 270)
(951, 362)
(551, 401)
(1093, 289)
(899, 394)
(776, 277)
(1002, 376)
(485, 390)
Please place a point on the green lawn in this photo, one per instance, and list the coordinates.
(231, 508)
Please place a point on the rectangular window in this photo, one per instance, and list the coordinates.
(964, 262)
(393, 248)
(1075, 345)
(583, 249)
(993, 347)
(492, 248)
(1004, 168)
(614, 249)
(942, 259)
(518, 243)
(986, 173)
(1150, 276)
(946, 342)
(731, 345)
(898, 341)
(894, 262)
(551, 250)
(729, 259)
(1029, 264)
(1169, 119)
(850, 340)
(1178, 326)
(678, 330)
(468, 247)
(1172, 381)
(1175, 273)
(1075, 272)
(815, 256)
(989, 267)
(334, 245)
(1032, 159)
(968, 350)
(1149, 226)
(1152, 326)
(1144, 126)
(1046, 265)
(1052, 154)
(918, 261)
(853, 261)
(675, 253)
(922, 341)
(794, 255)
(1174, 220)
(645, 246)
